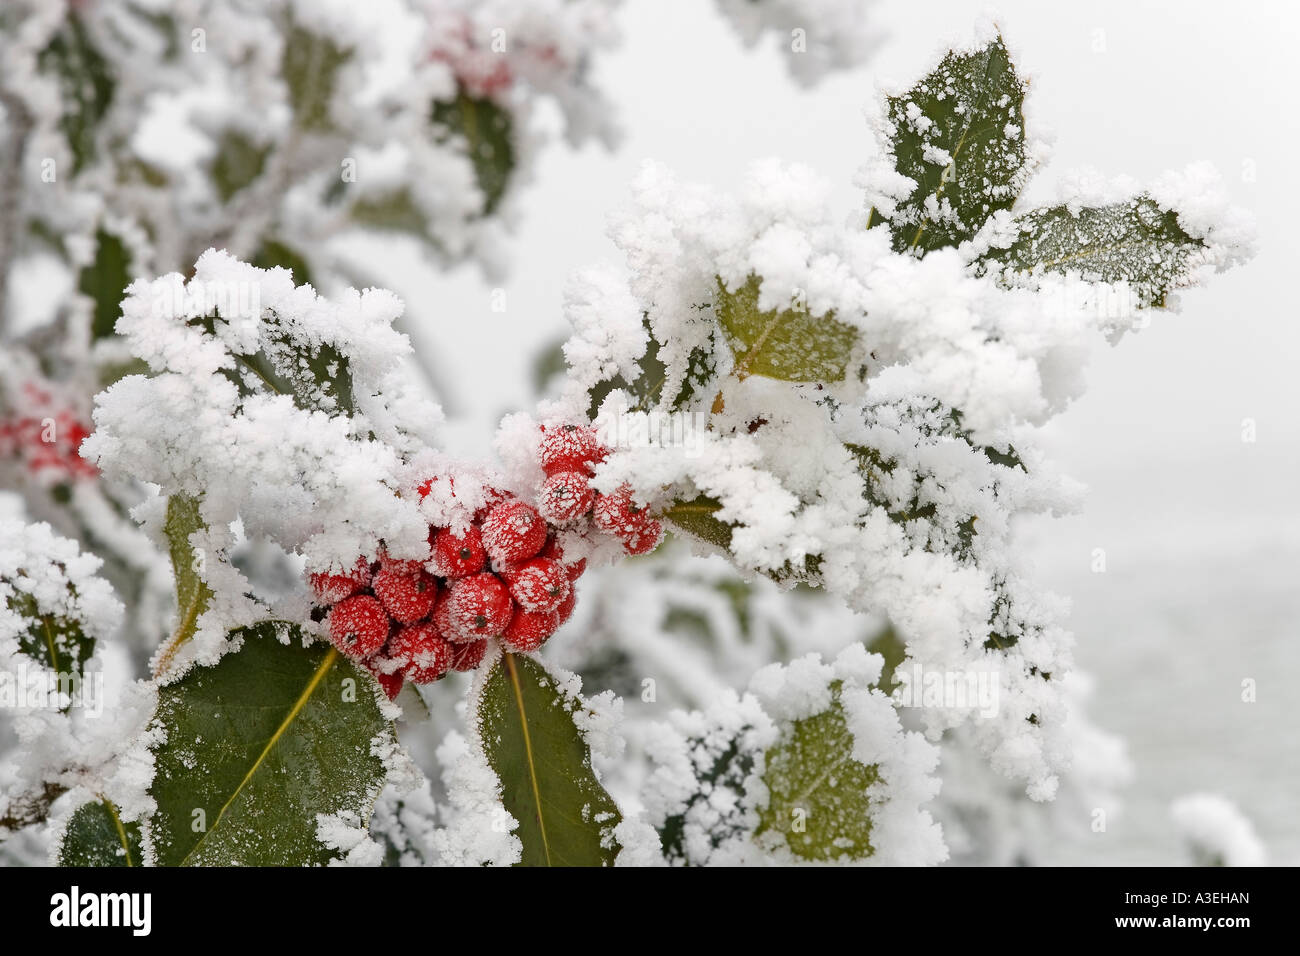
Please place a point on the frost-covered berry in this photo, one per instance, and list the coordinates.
(467, 657)
(477, 607)
(553, 551)
(332, 588)
(421, 653)
(566, 496)
(458, 555)
(397, 565)
(619, 514)
(565, 610)
(645, 539)
(359, 626)
(491, 498)
(569, 448)
(406, 597)
(387, 674)
(538, 585)
(512, 532)
(529, 630)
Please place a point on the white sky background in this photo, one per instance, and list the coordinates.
(1200, 530)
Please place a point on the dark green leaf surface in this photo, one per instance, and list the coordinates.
(105, 281)
(532, 743)
(959, 134)
(96, 836)
(487, 132)
(261, 743)
(238, 161)
(85, 84)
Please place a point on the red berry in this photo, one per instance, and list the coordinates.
(477, 607)
(645, 539)
(332, 588)
(491, 498)
(565, 610)
(398, 565)
(556, 553)
(538, 585)
(406, 597)
(391, 683)
(512, 532)
(529, 630)
(569, 448)
(467, 657)
(441, 622)
(359, 626)
(458, 556)
(619, 514)
(566, 496)
(423, 656)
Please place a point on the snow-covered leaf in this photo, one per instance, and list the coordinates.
(58, 643)
(316, 376)
(86, 84)
(310, 66)
(192, 593)
(97, 836)
(959, 135)
(818, 791)
(526, 723)
(1134, 241)
(260, 744)
(105, 280)
(698, 517)
(238, 162)
(486, 131)
(787, 344)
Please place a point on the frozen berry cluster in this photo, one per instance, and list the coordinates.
(503, 575)
(568, 454)
(45, 438)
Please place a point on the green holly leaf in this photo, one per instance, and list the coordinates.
(786, 344)
(257, 746)
(317, 376)
(726, 775)
(959, 134)
(237, 163)
(105, 280)
(537, 752)
(86, 87)
(192, 592)
(486, 132)
(310, 66)
(96, 836)
(395, 211)
(273, 254)
(698, 517)
(652, 376)
(1133, 241)
(818, 791)
(56, 643)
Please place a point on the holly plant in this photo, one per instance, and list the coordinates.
(778, 422)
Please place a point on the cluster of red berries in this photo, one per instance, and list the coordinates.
(45, 438)
(504, 576)
(568, 455)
